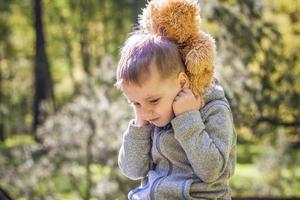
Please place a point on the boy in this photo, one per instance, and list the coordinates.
(179, 148)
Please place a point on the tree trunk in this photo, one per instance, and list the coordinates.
(43, 81)
(84, 43)
(84, 48)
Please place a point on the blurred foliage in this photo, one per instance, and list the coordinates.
(264, 66)
(257, 63)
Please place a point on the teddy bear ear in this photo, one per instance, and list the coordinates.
(162, 30)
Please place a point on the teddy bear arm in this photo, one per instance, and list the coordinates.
(201, 56)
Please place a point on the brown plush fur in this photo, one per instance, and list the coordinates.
(179, 20)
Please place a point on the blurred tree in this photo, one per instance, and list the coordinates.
(2, 137)
(79, 146)
(43, 80)
(6, 53)
(88, 11)
(81, 33)
(254, 53)
(257, 46)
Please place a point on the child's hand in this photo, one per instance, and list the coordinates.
(139, 121)
(186, 101)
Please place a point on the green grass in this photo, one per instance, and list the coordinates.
(17, 141)
(248, 180)
(246, 153)
(243, 178)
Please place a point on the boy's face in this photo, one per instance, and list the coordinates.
(153, 100)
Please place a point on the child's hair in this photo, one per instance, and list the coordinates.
(140, 50)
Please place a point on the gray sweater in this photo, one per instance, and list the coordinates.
(192, 157)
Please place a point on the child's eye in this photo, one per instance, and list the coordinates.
(135, 104)
(154, 101)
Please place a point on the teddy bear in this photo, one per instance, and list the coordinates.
(179, 20)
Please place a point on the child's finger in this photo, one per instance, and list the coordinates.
(176, 98)
(185, 89)
(181, 93)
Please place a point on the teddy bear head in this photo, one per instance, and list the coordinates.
(176, 19)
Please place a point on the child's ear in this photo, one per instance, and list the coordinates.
(183, 80)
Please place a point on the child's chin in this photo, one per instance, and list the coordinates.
(160, 124)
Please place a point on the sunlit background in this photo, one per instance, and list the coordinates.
(61, 119)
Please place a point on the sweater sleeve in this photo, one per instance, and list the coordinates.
(134, 155)
(207, 144)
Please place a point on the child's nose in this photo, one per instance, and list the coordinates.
(148, 113)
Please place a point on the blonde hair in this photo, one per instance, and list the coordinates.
(139, 50)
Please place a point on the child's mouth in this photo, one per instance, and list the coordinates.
(153, 120)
